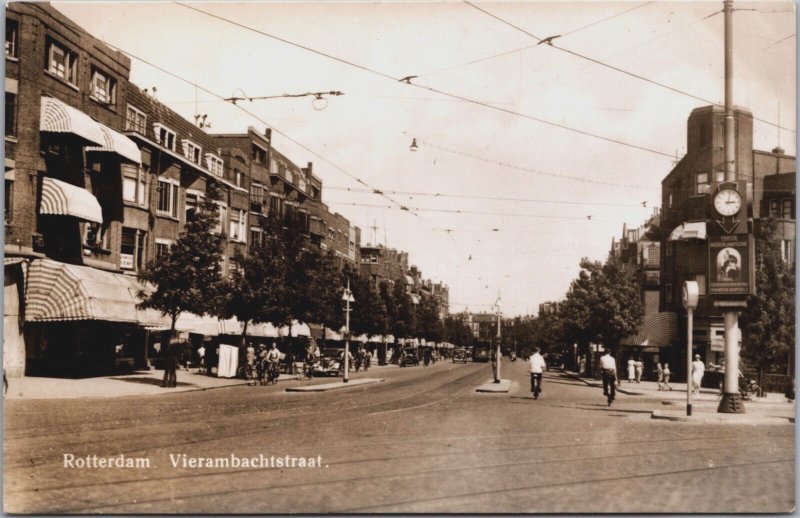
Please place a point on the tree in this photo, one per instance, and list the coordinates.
(456, 331)
(603, 305)
(368, 314)
(188, 276)
(430, 325)
(405, 323)
(768, 321)
(324, 291)
(256, 289)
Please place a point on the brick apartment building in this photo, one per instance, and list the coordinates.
(685, 193)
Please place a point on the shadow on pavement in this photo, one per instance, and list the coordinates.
(152, 381)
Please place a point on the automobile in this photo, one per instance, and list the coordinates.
(328, 363)
(554, 362)
(409, 357)
(481, 350)
(460, 355)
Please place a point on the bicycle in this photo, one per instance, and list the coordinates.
(272, 373)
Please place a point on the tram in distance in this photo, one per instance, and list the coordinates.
(481, 350)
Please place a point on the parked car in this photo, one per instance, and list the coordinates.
(460, 355)
(328, 364)
(554, 362)
(409, 357)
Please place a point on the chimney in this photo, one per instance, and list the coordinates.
(268, 134)
(310, 169)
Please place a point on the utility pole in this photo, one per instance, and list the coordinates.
(731, 400)
(497, 352)
(347, 297)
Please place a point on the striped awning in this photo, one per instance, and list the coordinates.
(330, 334)
(64, 199)
(58, 292)
(659, 330)
(297, 329)
(231, 326)
(57, 117)
(689, 230)
(115, 142)
(262, 330)
(201, 325)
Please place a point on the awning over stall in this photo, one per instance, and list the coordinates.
(58, 292)
(658, 330)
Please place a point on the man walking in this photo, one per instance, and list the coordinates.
(537, 368)
(608, 367)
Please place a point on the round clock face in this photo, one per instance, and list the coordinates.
(728, 202)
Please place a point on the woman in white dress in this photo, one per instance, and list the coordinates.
(631, 370)
(698, 369)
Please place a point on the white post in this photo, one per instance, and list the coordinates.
(498, 342)
(689, 344)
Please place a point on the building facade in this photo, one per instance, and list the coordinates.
(685, 200)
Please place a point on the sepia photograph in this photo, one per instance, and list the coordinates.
(399, 257)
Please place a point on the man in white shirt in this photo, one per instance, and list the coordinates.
(537, 368)
(608, 366)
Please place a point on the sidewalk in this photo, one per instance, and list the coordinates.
(771, 409)
(138, 383)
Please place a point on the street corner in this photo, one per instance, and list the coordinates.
(324, 387)
(504, 385)
(707, 417)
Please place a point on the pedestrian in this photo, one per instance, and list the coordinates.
(698, 369)
(667, 374)
(608, 368)
(659, 374)
(495, 357)
(631, 369)
(638, 366)
(251, 354)
(171, 363)
(537, 368)
(201, 356)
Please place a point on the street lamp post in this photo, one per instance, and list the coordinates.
(497, 352)
(347, 297)
(691, 293)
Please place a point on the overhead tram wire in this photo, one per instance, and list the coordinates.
(430, 89)
(256, 117)
(487, 198)
(615, 68)
(589, 217)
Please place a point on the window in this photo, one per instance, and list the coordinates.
(135, 120)
(168, 197)
(774, 208)
(273, 167)
(786, 208)
(256, 236)
(12, 38)
(237, 225)
(703, 185)
(352, 246)
(238, 178)
(275, 204)
(192, 151)
(162, 247)
(223, 217)
(787, 251)
(331, 234)
(9, 200)
(103, 88)
(192, 205)
(164, 136)
(669, 202)
(95, 236)
(11, 114)
(700, 279)
(134, 185)
(132, 249)
(256, 198)
(719, 176)
(258, 154)
(62, 62)
(214, 163)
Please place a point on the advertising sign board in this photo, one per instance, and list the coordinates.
(729, 264)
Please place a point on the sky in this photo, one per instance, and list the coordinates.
(519, 144)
